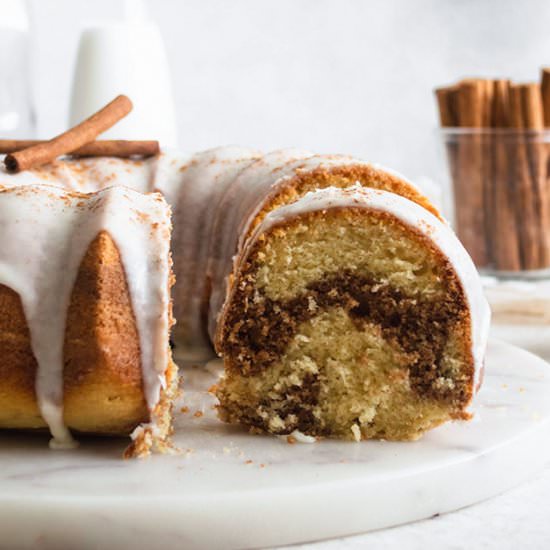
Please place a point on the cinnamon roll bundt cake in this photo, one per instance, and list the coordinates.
(341, 302)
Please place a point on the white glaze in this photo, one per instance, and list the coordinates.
(45, 234)
(419, 219)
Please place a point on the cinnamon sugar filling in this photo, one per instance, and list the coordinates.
(259, 329)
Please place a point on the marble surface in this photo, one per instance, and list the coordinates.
(229, 489)
(516, 519)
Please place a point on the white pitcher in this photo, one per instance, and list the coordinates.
(126, 57)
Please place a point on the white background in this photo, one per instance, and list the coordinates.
(351, 76)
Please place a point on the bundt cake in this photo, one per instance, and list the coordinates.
(397, 315)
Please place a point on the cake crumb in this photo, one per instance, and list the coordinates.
(355, 430)
(198, 414)
(184, 410)
(298, 437)
(248, 461)
(521, 389)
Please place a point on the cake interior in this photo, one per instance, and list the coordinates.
(346, 324)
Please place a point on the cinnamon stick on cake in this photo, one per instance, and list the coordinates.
(101, 148)
(72, 139)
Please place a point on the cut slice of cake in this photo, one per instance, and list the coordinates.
(352, 313)
(85, 314)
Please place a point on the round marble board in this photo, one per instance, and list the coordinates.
(230, 489)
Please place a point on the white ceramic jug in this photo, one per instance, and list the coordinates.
(126, 57)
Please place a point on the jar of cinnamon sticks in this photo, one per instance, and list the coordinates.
(498, 157)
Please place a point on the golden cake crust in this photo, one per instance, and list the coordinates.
(103, 390)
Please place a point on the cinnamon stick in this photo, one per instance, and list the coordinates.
(545, 96)
(505, 227)
(545, 90)
(487, 169)
(71, 140)
(469, 192)
(501, 104)
(446, 100)
(99, 148)
(536, 151)
(523, 195)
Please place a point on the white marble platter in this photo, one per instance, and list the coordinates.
(228, 489)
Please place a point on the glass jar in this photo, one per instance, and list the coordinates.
(498, 198)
